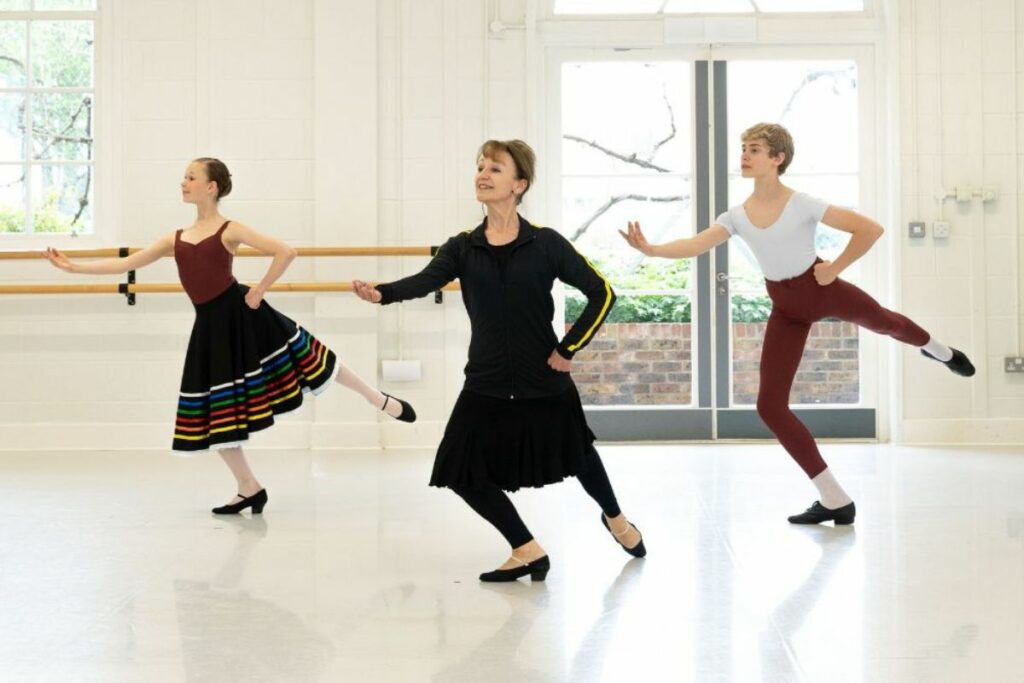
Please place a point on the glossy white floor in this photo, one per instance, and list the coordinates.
(111, 569)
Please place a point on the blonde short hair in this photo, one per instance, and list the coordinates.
(778, 138)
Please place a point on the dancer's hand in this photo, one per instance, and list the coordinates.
(635, 237)
(59, 260)
(366, 291)
(824, 273)
(558, 362)
(253, 298)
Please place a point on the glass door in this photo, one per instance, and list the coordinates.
(627, 152)
(653, 136)
(819, 100)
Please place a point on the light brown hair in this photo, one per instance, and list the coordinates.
(522, 156)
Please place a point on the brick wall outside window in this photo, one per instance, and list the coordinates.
(651, 364)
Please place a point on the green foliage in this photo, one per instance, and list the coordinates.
(47, 217)
(650, 308)
(649, 274)
(62, 53)
(62, 122)
(751, 309)
(12, 219)
(637, 309)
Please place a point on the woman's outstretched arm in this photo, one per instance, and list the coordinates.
(114, 266)
(687, 247)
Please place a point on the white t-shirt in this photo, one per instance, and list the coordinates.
(785, 248)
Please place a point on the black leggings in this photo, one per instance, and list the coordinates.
(492, 504)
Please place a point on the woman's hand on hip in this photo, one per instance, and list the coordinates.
(253, 298)
(559, 362)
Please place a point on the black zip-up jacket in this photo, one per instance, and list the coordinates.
(511, 310)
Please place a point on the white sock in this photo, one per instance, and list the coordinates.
(938, 349)
(832, 494)
(374, 397)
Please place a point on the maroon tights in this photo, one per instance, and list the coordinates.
(796, 303)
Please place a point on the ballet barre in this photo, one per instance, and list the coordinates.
(244, 251)
(169, 287)
(130, 288)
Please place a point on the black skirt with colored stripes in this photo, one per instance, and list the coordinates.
(243, 367)
(513, 443)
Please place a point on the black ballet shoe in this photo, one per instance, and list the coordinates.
(636, 551)
(818, 513)
(407, 414)
(959, 363)
(256, 501)
(538, 571)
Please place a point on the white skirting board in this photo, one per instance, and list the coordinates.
(998, 431)
(156, 436)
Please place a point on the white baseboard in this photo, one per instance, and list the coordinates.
(157, 436)
(1002, 431)
(120, 436)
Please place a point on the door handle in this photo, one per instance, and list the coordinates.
(722, 280)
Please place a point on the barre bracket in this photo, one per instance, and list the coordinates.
(122, 288)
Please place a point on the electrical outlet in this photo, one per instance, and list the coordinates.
(940, 229)
(916, 229)
(1015, 364)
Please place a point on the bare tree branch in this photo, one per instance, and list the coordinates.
(57, 137)
(12, 60)
(834, 74)
(631, 159)
(612, 201)
(85, 105)
(671, 122)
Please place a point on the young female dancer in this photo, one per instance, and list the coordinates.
(518, 421)
(246, 362)
(779, 224)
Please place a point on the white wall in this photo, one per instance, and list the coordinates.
(344, 123)
(355, 123)
(962, 124)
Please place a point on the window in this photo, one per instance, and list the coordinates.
(47, 118)
(704, 6)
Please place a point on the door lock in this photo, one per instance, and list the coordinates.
(723, 279)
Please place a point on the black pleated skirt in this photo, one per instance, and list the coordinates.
(243, 367)
(513, 443)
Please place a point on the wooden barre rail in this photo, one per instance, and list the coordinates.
(167, 287)
(131, 288)
(303, 251)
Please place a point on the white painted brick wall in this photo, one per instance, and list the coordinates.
(961, 65)
(261, 84)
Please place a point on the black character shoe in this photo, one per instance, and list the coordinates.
(818, 513)
(407, 415)
(538, 571)
(636, 551)
(959, 363)
(256, 501)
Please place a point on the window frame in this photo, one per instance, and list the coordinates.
(870, 10)
(869, 36)
(105, 146)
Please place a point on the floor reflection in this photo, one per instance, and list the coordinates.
(778, 661)
(228, 634)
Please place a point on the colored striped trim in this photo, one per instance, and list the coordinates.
(249, 403)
